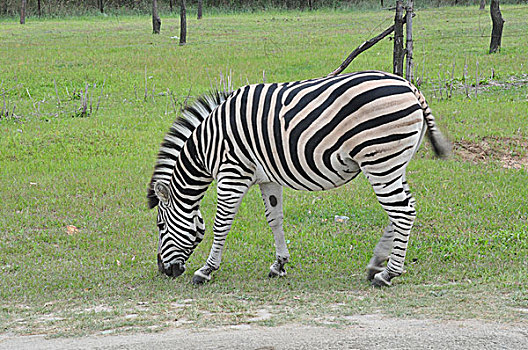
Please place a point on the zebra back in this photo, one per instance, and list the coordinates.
(192, 116)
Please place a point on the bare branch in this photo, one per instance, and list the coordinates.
(363, 47)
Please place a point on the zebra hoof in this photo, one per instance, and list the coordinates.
(381, 280)
(376, 265)
(196, 280)
(201, 277)
(276, 270)
(273, 274)
(372, 270)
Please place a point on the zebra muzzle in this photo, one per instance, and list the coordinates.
(173, 270)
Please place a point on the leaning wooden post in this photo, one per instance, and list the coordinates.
(365, 46)
(409, 41)
(398, 52)
(498, 22)
(183, 23)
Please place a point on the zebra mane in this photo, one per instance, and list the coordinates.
(192, 116)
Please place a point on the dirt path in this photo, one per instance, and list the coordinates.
(365, 332)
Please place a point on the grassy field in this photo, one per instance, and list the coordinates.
(468, 256)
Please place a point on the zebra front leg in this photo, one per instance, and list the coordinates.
(230, 191)
(272, 197)
(381, 253)
(397, 201)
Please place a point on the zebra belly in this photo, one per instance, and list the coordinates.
(346, 171)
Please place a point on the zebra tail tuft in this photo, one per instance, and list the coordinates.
(441, 146)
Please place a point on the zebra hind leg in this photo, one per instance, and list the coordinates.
(272, 197)
(384, 247)
(395, 197)
(381, 253)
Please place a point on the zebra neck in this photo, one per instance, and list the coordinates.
(189, 180)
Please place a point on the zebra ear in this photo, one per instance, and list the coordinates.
(162, 191)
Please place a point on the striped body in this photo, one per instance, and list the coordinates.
(312, 135)
(309, 135)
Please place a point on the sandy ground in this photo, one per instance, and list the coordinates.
(365, 332)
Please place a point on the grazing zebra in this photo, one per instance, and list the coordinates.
(310, 135)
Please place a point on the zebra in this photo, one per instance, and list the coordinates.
(312, 135)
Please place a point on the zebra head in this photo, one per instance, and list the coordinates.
(180, 231)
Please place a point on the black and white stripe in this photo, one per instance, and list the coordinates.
(310, 135)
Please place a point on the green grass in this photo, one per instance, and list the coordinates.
(468, 254)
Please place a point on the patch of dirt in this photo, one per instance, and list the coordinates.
(511, 152)
(363, 332)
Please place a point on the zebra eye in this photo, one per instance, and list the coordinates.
(161, 226)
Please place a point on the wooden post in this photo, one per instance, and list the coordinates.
(398, 52)
(200, 5)
(183, 23)
(498, 22)
(23, 12)
(156, 21)
(409, 41)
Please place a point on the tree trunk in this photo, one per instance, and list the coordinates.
(200, 5)
(101, 5)
(183, 23)
(310, 5)
(398, 52)
(23, 12)
(156, 21)
(39, 9)
(409, 41)
(498, 22)
(171, 6)
(482, 4)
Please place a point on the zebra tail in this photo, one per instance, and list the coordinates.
(441, 146)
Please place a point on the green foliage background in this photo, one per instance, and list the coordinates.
(82, 7)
